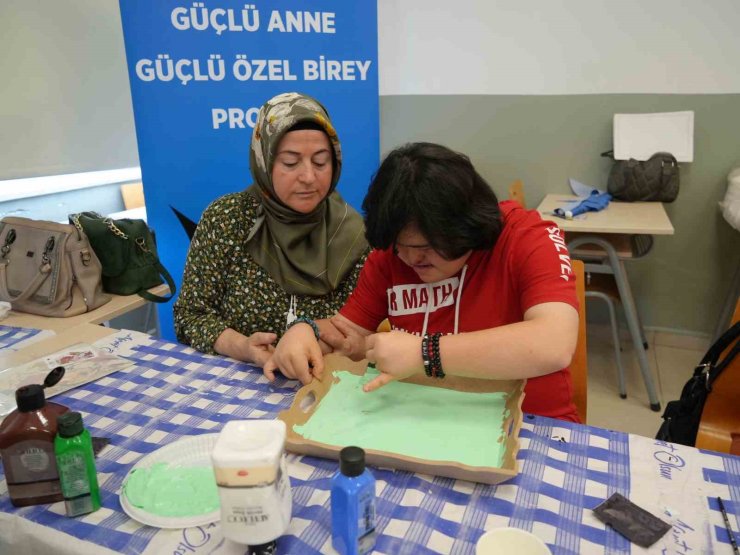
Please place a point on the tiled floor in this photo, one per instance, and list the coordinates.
(672, 360)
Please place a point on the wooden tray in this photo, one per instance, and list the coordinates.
(309, 396)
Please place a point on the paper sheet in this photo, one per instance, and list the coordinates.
(639, 136)
(83, 363)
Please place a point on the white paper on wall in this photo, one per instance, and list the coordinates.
(640, 136)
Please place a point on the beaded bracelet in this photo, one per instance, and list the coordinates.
(425, 355)
(304, 320)
(437, 371)
(430, 355)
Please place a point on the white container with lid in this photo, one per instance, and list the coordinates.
(252, 479)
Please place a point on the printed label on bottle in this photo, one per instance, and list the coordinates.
(79, 506)
(29, 461)
(366, 521)
(35, 459)
(73, 475)
(247, 515)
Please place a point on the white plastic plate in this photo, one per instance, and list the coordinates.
(186, 452)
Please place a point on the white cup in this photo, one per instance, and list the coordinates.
(501, 541)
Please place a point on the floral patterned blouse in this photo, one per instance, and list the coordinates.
(223, 287)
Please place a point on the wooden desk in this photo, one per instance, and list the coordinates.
(117, 306)
(632, 218)
(605, 237)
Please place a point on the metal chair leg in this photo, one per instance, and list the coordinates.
(642, 331)
(615, 338)
(616, 266)
(630, 314)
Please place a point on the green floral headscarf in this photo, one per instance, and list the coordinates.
(307, 254)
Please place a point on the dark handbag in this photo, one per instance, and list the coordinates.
(48, 268)
(655, 179)
(681, 418)
(128, 252)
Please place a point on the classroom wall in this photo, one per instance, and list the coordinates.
(65, 105)
(57, 206)
(527, 89)
(544, 140)
(544, 47)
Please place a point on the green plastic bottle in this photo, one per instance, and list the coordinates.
(76, 463)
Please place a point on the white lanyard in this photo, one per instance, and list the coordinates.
(292, 309)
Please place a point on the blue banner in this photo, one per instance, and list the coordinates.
(199, 72)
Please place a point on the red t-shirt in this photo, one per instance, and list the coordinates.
(529, 265)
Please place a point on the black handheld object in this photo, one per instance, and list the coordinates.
(633, 522)
(54, 377)
(730, 533)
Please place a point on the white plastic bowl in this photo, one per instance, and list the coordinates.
(510, 540)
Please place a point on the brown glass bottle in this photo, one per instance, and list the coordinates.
(27, 448)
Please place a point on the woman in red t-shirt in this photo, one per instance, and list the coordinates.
(470, 287)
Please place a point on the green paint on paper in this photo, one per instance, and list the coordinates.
(165, 490)
(425, 422)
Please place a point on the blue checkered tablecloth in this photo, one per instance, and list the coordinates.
(11, 335)
(566, 469)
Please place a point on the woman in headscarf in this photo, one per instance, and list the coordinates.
(286, 250)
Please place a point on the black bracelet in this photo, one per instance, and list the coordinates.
(430, 355)
(304, 320)
(435, 359)
(425, 355)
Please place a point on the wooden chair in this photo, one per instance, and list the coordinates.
(516, 192)
(579, 364)
(133, 195)
(719, 428)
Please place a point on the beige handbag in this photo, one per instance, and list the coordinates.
(48, 268)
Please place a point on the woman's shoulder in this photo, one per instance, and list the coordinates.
(233, 210)
(240, 203)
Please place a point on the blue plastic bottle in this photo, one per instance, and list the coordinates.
(352, 504)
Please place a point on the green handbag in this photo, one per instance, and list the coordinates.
(128, 253)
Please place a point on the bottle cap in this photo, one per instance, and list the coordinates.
(69, 424)
(30, 398)
(352, 461)
(269, 548)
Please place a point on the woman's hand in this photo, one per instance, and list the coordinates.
(297, 355)
(352, 344)
(396, 354)
(259, 347)
(255, 349)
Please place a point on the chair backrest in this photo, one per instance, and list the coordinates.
(720, 420)
(579, 364)
(516, 192)
(133, 195)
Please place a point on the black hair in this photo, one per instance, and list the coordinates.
(307, 124)
(438, 190)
